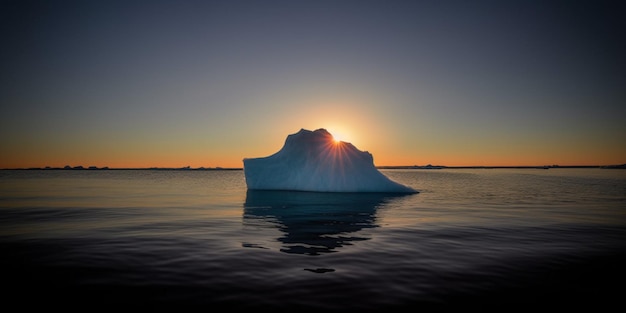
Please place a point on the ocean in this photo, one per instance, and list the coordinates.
(180, 240)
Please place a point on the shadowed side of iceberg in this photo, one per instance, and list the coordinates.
(313, 161)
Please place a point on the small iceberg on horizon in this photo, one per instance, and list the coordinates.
(314, 161)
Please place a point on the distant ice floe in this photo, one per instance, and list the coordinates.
(314, 161)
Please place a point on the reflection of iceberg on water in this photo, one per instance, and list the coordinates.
(313, 161)
(311, 222)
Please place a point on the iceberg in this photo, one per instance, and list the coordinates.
(314, 161)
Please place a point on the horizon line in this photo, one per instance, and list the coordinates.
(429, 166)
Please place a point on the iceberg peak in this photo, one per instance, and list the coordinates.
(314, 161)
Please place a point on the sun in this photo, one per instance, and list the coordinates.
(338, 137)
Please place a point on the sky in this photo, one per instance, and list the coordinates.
(208, 83)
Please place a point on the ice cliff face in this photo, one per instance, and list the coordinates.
(313, 161)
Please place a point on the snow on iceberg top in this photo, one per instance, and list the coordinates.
(314, 161)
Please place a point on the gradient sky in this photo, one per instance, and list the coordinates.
(208, 83)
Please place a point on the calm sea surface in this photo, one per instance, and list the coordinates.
(173, 239)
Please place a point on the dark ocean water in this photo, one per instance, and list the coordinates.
(495, 239)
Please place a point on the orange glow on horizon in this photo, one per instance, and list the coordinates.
(387, 148)
(381, 158)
